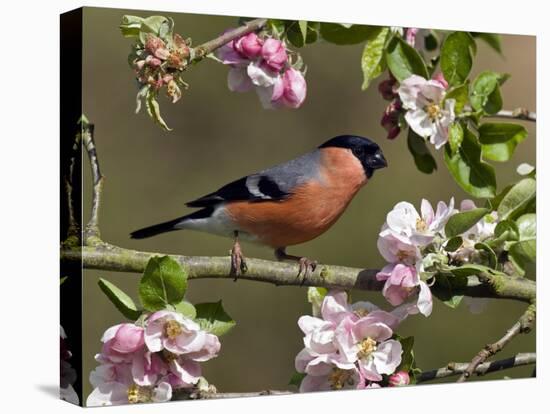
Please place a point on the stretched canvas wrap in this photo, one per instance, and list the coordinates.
(255, 206)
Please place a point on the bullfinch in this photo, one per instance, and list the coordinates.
(285, 205)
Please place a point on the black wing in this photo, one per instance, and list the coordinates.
(256, 187)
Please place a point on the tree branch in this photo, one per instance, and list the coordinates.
(453, 369)
(106, 256)
(518, 113)
(208, 47)
(96, 254)
(456, 368)
(523, 325)
(73, 229)
(91, 233)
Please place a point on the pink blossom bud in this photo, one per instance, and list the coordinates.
(152, 61)
(390, 119)
(167, 78)
(438, 77)
(410, 36)
(139, 64)
(162, 53)
(393, 132)
(274, 53)
(128, 339)
(386, 89)
(249, 46)
(295, 88)
(399, 379)
(153, 43)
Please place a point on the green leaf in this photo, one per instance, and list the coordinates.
(474, 176)
(456, 135)
(460, 94)
(153, 109)
(315, 296)
(457, 54)
(156, 25)
(163, 283)
(485, 92)
(121, 300)
(448, 281)
(372, 60)
(460, 222)
(453, 243)
(294, 33)
(130, 25)
(492, 39)
(276, 25)
(527, 226)
(519, 196)
(62, 280)
(431, 41)
(470, 270)
(424, 160)
(523, 255)
(488, 254)
(213, 318)
(407, 356)
(507, 230)
(296, 379)
(186, 309)
(499, 140)
(404, 60)
(341, 35)
(303, 28)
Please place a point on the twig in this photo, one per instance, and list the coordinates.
(518, 113)
(523, 325)
(453, 369)
(91, 233)
(106, 256)
(208, 47)
(202, 395)
(73, 229)
(456, 368)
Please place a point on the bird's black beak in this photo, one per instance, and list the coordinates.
(377, 161)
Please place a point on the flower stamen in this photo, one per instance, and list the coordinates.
(340, 377)
(172, 329)
(434, 111)
(137, 394)
(366, 347)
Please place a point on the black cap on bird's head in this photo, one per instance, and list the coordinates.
(367, 152)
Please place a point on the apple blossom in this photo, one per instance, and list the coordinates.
(262, 64)
(274, 53)
(349, 346)
(250, 45)
(146, 363)
(295, 88)
(179, 335)
(428, 114)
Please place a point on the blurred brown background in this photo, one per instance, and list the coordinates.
(219, 136)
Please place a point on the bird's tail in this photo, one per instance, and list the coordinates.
(176, 224)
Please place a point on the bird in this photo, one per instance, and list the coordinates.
(285, 205)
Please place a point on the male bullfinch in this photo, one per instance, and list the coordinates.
(284, 205)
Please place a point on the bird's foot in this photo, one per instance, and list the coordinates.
(238, 262)
(306, 266)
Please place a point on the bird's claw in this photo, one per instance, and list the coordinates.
(307, 267)
(238, 262)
